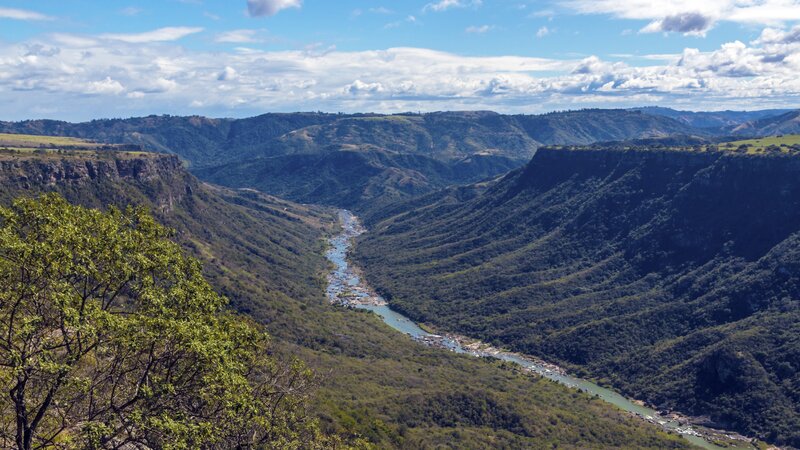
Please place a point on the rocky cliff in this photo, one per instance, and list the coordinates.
(28, 172)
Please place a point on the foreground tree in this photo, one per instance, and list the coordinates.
(110, 337)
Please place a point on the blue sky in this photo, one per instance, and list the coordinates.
(81, 59)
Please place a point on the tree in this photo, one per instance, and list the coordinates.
(111, 337)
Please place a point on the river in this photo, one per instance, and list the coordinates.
(347, 288)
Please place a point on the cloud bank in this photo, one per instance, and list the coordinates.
(64, 75)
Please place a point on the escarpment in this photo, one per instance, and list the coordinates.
(30, 171)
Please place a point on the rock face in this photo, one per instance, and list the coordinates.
(675, 275)
(46, 171)
(156, 180)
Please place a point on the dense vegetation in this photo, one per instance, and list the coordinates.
(265, 254)
(355, 179)
(113, 338)
(672, 275)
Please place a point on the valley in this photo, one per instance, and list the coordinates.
(374, 388)
(400, 225)
(667, 274)
(495, 256)
(348, 289)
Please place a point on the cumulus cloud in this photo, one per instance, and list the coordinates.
(261, 8)
(106, 86)
(778, 36)
(228, 74)
(22, 14)
(444, 5)
(159, 35)
(690, 23)
(691, 16)
(77, 75)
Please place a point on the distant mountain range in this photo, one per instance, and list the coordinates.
(362, 161)
(713, 120)
(366, 160)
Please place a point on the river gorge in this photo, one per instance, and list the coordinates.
(348, 288)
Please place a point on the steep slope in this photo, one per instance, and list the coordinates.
(788, 123)
(598, 125)
(266, 255)
(198, 140)
(672, 275)
(354, 179)
(312, 157)
(716, 120)
(443, 136)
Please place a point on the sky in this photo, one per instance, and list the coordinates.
(86, 59)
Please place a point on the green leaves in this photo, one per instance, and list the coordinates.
(109, 335)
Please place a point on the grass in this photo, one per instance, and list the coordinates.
(31, 140)
(27, 145)
(756, 146)
(54, 153)
(760, 144)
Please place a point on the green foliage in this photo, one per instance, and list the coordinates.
(760, 145)
(112, 336)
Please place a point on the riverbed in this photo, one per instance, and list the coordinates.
(347, 288)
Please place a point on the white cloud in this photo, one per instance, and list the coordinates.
(690, 23)
(479, 29)
(542, 32)
(239, 37)
(74, 77)
(22, 14)
(691, 16)
(261, 8)
(444, 5)
(106, 86)
(228, 74)
(159, 35)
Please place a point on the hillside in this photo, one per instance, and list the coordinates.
(198, 140)
(354, 179)
(367, 161)
(361, 161)
(265, 254)
(788, 123)
(712, 120)
(598, 125)
(671, 275)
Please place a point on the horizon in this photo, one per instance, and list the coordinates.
(80, 60)
(367, 113)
